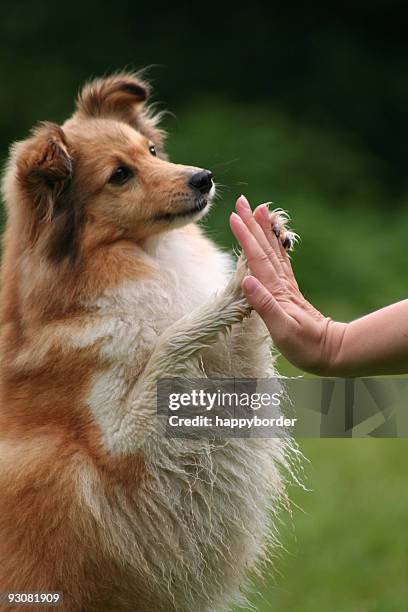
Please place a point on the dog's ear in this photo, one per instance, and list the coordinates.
(119, 96)
(44, 168)
(122, 96)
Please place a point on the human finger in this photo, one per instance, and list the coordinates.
(259, 263)
(244, 211)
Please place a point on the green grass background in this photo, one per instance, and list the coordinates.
(304, 104)
(345, 548)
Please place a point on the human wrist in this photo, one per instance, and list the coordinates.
(331, 353)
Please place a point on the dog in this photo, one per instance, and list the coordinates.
(108, 285)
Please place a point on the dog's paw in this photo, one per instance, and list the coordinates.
(279, 220)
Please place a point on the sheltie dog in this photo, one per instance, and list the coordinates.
(108, 285)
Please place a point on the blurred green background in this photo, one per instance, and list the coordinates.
(303, 104)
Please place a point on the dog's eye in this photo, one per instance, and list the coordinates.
(152, 150)
(121, 175)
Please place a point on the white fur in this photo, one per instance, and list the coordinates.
(204, 515)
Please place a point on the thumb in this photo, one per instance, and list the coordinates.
(265, 304)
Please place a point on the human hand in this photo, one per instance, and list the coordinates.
(304, 336)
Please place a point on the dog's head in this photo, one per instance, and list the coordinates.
(102, 176)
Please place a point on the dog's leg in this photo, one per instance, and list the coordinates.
(173, 356)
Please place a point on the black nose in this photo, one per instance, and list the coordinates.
(201, 181)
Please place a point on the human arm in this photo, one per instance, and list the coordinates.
(374, 344)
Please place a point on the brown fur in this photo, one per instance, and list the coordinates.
(70, 234)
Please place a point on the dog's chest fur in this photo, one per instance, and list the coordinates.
(188, 270)
(205, 506)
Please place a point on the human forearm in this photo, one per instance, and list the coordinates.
(374, 344)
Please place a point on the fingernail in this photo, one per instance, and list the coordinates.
(265, 212)
(244, 201)
(250, 285)
(233, 214)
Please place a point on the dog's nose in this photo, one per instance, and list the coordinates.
(201, 181)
